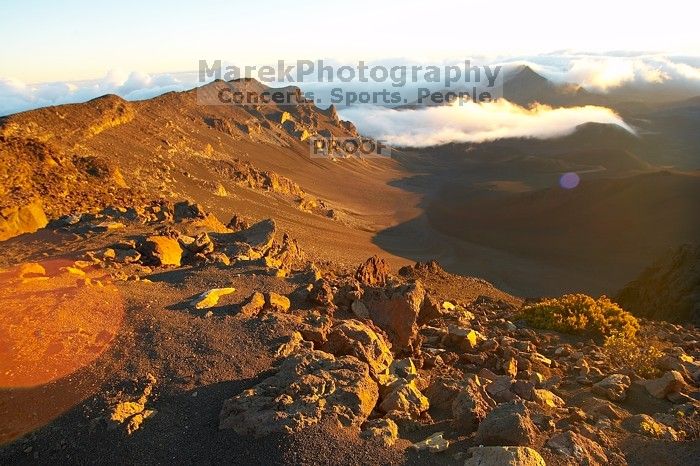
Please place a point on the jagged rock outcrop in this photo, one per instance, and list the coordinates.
(309, 386)
(395, 310)
(373, 272)
(354, 338)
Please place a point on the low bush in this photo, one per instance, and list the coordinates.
(581, 314)
(640, 354)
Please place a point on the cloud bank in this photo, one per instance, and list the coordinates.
(471, 122)
(17, 96)
(678, 76)
(603, 73)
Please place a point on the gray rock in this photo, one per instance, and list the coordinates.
(508, 424)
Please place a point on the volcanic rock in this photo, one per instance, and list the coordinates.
(354, 338)
(581, 449)
(500, 388)
(508, 424)
(471, 405)
(260, 236)
(404, 397)
(162, 250)
(670, 382)
(646, 425)
(17, 220)
(547, 399)
(434, 444)
(373, 272)
(396, 311)
(504, 456)
(253, 305)
(277, 302)
(211, 298)
(385, 430)
(308, 387)
(613, 387)
(321, 293)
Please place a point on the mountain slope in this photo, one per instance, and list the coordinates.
(110, 151)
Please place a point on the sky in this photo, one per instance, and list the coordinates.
(57, 52)
(71, 40)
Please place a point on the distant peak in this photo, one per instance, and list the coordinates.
(525, 72)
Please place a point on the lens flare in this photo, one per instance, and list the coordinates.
(569, 180)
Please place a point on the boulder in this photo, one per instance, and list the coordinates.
(162, 250)
(277, 302)
(461, 338)
(321, 293)
(292, 344)
(373, 272)
(396, 311)
(315, 327)
(308, 387)
(503, 456)
(646, 425)
(403, 369)
(404, 397)
(17, 220)
(186, 210)
(500, 388)
(613, 387)
(384, 430)
(471, 405)
(200, 244)
(429, 310)
(670, 382)
(259, 236)
(442, 390)
(211, 298)
(523, 388)
(286, 256)
(433, 444)
(580, 449)
(546, 399)
(253, 304)
(126, 256)
(510, 367)
(354, 338)
(508, 424)
(237, 223)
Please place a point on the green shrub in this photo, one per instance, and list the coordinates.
(640, 353)
(581, 314)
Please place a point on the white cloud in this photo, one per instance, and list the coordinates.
(471, 122)
(17, 96)
(602, 73)
(677, 76)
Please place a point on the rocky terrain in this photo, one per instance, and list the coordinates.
(184, 284)
(205, 342)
